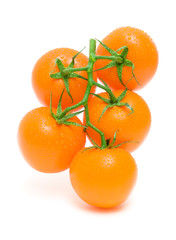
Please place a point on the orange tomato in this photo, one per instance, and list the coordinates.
(46, 145)
(43, 84)
(142, 52)
(131, 127)
(103, 178)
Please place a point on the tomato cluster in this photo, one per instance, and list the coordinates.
(52, 138)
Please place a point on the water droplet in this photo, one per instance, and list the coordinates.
(47, 123)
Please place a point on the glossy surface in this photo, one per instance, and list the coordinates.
(43, 84)
(142, 52)
(131, 127)
(103, 178)
(46, 145)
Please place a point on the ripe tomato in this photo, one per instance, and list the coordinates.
(142, 52)
(131, 127)
(47, 146)
(43, 84)
(103, 178)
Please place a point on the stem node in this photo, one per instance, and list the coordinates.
(117, 60)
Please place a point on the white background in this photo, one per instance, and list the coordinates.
(37, 206)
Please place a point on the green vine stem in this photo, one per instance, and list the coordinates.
(66, 73)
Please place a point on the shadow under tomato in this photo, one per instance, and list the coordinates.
(86, 207)
(58, 186)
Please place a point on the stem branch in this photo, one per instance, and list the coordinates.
(117, 59)
(89, 69)
(107, 89)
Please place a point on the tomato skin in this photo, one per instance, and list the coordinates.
(131, 127)
(47, 146)
(142, 52)
(103, 178)
(43, 84)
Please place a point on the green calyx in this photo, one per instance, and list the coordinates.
(118, 60)
(65, 73)
(112, 144)
(109, 144)
(65, 119)
(112, 102)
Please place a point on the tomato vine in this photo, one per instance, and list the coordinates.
(117, 60)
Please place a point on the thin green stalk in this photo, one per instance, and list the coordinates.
(78, 69)
(89, 124)
(117, 60)
(91, 83)
(107, 89)
(68, 109)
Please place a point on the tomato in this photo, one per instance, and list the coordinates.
(46, 145)
(142, 52)
(44, 84)
(131, 126)
(103, 178)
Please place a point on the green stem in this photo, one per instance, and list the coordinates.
(78, 69)
(68, 109)
(81, 103)
(117, 59)
(89, 124)
(108, 90)
(91, 82)
(84, 102)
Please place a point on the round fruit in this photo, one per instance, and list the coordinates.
(142, 52)
(130, 126)
(46, 145)
(44, 84)
(103, 178)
